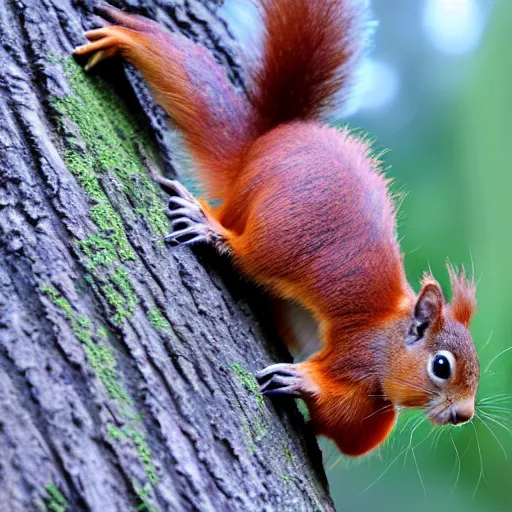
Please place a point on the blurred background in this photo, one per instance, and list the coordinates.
(436, 89)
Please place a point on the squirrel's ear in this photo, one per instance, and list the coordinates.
(427, 311)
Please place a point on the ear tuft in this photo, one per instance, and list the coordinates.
(464, 304)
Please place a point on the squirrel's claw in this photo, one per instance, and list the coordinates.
(98, 57)
(188, 219)
(284, 379)
(185, 214)
(195, 233)
(176, 190)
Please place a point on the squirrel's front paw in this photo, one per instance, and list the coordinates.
(285, 379)
(189, 221)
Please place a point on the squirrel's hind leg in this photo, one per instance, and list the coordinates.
(191, 220)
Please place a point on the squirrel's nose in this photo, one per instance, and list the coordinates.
(462, 412)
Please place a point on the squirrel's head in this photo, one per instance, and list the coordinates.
(436, 367)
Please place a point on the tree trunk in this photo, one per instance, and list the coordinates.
(125, 366)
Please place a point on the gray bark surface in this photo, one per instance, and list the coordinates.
(125, 366)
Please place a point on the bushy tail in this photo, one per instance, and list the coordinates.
(310, 49)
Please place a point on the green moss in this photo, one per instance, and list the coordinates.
(99, 251)
(120, 295)
(89, 279)
(104, 137)
(259, 428)
(143, 451)
(249, 382)
(286, 478)
(56, 501)
(103, 363)
(115, 432)
(158, 320)
(253, 431)
(99, 354)
(52, 58)
(83, 165)
(83, 322)
(116, 300)
(58, 299)
(144, 455)
(144, 494)
(105, 141)
(113, 142)
(256, 429)
(287, 452)
(122, 280)
(101, 359)
(111, 226)
(249, 442)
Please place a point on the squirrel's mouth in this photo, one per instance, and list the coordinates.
(451, 414)
(439, 418)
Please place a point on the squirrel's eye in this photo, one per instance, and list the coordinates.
(442, 365)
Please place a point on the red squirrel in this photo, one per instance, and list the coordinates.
(306, 212)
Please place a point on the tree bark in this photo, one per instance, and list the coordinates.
(125, 366)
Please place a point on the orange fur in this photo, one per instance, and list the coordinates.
(463, 295)
(309, 52)
(306, 210)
